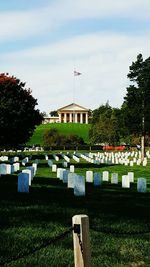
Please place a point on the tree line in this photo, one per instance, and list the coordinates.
(130, 123)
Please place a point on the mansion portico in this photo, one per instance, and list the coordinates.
(73, 113)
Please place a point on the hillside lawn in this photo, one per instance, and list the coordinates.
(119, 218)
(81, 130)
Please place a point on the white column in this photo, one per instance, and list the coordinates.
(75, 117)
(59, 117)
(86, 118)
(81, 117)
(70, 117)
(65, 117)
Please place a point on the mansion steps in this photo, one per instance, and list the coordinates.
(72, 113)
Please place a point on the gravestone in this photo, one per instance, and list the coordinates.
(79, 185)
(105, 176)
(16, 166)
(131, 177)
(23, 182)
(34, 165)
(28, 171)
(31, 168)
(71, 168)
(8, 169)
(65, 176)
(114, 178)
(54, 168)
(89, 176)
(65, 164)
(3, 168)
(71, 178)
(97, 179)
(125, 181)
(59, 173)
(141, 185)
(50, 163)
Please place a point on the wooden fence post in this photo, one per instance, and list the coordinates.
(82, 254)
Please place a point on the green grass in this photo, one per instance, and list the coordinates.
(81, 130)
(29, 220)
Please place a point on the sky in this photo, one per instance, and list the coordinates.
(42, 42)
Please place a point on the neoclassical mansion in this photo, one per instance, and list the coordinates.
(72, 113)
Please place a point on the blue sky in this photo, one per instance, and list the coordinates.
(43, 41)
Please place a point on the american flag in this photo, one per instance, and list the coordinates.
(76, 73)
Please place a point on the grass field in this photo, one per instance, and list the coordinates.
(81, 130)
(29, 220)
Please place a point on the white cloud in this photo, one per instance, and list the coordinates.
(24, 24)
(103, 59)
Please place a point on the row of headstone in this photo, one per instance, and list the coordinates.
(9, 168)
(14, 159)
(4, 158)
(74, 181)
(115, 158)
(98, 178)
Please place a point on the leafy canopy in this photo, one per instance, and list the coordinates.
(18, 116)
(136, 104)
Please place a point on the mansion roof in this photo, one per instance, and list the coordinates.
(72, 107)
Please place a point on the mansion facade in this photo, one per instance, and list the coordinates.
(72, 113)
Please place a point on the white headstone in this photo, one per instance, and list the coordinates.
(71, 168)
(125, 181)
(141, 185)
(31, 168)
(131, 163)
(29, 173)
(60, 173)
(65, 164)
(114, 178)
(71, 178)
(8, 168)
(16, 166)
(79, 185)
(34, 165)
(105, 176)
(54, 168)
(89, 176)
(131, 177)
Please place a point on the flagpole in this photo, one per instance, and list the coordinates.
(76, 73)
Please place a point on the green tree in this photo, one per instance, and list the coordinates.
(18, 116)
(52, 137)
(137, 100)
(105, 125)
(53, 113)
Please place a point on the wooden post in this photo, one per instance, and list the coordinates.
(82, 254)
